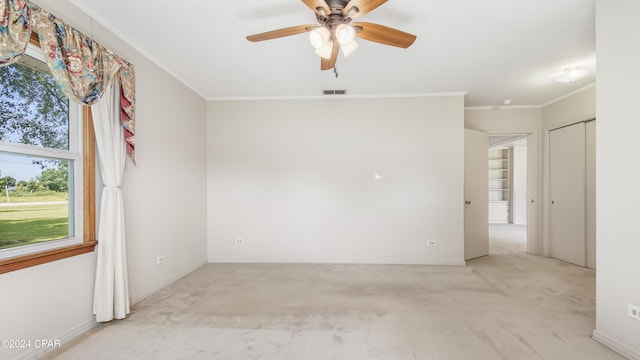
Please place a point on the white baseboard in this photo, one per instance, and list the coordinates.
(152, 290)
(65, 338)
(615, 345)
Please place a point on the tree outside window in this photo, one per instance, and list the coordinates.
(37, 163)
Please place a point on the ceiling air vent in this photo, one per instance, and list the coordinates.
(334, 92)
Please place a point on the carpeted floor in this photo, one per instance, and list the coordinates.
(507, 238)
(508, 305)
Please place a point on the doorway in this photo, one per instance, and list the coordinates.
(507, 193)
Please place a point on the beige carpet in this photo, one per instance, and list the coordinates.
(508, 305)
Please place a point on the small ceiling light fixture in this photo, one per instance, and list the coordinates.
(506, 102)
(571, 74)
(320, 39)
(346, 35)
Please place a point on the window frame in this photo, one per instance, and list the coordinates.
(89, 241)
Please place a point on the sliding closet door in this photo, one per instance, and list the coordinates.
(591, 193)
(567, 190)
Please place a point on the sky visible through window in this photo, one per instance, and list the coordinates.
(19, 167)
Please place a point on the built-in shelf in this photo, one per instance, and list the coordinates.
(498, 185)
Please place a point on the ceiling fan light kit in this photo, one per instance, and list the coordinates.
(320, 39)
(348, 48)
(345, 34)
(325, 50)
(335, 29)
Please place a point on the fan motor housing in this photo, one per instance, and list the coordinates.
(337, 15)
(337, 4)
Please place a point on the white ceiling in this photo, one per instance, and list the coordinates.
(491, 49)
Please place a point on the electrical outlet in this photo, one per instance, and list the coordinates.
(432, 243)
(160, 259)
(239, 241)
(634, 311)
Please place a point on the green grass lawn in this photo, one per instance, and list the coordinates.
(21, 198)
(29, 224)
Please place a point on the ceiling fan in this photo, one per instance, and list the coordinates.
(336, 30)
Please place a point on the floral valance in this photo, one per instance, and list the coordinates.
(82, 67)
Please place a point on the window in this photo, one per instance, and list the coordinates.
(47, 202)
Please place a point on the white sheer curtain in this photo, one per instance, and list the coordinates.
(111, 293)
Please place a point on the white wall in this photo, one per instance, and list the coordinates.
(49, 301)
(618, 174)
(164, 199)
(503, 120)
(165, 194)
(575, 107)
(295, 179)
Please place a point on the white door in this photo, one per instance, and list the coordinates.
(476, 189)
(567, 191)
(591, 193)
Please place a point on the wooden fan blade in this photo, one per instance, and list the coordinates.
(330, 63)
(384, 34)
(364, 6)
(274, 34)
(315, 4)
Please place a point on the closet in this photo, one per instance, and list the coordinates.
(572, 193)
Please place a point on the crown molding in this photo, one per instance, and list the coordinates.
(336, 97)
(577, 91)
